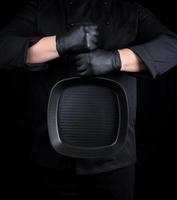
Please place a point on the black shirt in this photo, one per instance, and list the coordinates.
(121, 25)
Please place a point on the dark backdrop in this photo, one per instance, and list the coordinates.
(155, 128)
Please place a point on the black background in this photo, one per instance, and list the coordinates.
(155, 129)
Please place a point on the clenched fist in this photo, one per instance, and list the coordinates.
(98, 62)
(80, 39)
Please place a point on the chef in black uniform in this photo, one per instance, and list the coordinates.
(51, 40)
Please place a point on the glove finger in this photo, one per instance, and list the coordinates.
(92, 35)
(84, 58)
(94, 32)
(79, 63)
(84, 73)
(92, 46)
(78, 57)
(82, 68)
(80, 60)
(91, 27)
(94, 40)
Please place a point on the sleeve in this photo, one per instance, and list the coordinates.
(156, 45)
(18, 36)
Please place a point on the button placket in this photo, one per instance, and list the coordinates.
(68, 7)
(106, 8)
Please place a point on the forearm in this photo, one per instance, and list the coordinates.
(43, 51)
(130, 62)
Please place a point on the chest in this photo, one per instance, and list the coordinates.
(117, 23)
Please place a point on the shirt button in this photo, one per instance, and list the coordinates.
(105, 3)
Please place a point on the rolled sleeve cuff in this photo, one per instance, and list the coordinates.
(140, 51)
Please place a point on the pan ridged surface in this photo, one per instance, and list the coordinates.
(88, 116)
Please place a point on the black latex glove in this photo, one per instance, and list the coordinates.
(98, 62)
(80, 39)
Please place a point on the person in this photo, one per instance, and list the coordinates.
(51, 40)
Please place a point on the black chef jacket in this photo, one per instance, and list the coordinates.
(121, 25)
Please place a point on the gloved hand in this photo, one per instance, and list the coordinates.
(80, 39)
(98, 62)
